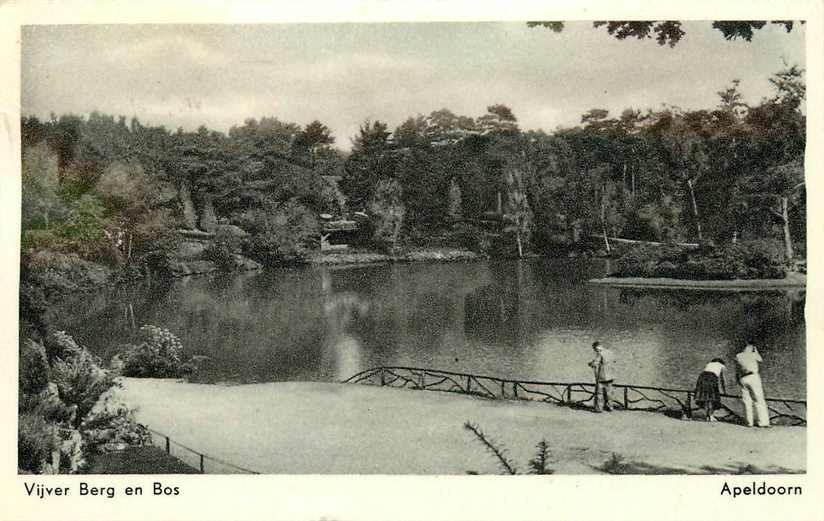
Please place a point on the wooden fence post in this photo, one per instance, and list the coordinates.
(515, 389)
(626, 398)
(569, 394)
(168, 445)
(383, 377)
(689, 405)
(468, 384)
(421, 380)
(202, 467)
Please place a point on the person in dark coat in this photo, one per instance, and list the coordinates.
(711, 384)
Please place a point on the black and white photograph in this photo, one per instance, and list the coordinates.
(534, 247)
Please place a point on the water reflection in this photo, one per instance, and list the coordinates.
(341, 353)
(532, 320)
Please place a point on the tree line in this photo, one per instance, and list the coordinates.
(113, 190)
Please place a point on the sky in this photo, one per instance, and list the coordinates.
(343, 74)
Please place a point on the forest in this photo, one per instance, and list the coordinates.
(114, 191)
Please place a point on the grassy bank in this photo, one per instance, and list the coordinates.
(308, 428)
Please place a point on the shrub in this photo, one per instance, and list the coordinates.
(111, 426)
(281, 235)
(39, 240)
(84, 230)
(160, 253)
(81, 382)
(160, 355)
(221, 250)
(616, 464)
(221, 255)
(36, 440)
(744, 260)
(539, 464)
(467, 236)
(47, 404)
(33, 369)
(276, 245)
(39, 441)
(60, 345)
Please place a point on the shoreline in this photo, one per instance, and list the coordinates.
(437, 254)
(335, 428)
(792, 281)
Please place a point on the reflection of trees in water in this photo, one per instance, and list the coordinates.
(491, 315)
(417, 309)
(782, 305)
(492, 312)
(341, 353)
(774, 319)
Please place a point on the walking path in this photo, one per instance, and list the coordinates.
(327, 428)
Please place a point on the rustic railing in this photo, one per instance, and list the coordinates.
(203, 462)
(572, 394)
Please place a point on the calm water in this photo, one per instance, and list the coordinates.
(530, 319)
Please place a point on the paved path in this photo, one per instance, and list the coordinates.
(326, 428)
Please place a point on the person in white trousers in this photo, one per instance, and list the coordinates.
(752, 392)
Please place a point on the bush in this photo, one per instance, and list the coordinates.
(160, 355)
(81, 382)
(111, 426)
(222, 249)
(221, 255)
(84, 230)
(744, 260)
(33, 369)
(281, 235)
(57, 273)
(160, 254)
(467, 236)
(36, 440)
(60, 345)
(39, 240)
(541, 463)
(47, 404)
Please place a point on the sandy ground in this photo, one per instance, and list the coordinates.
(327, 428)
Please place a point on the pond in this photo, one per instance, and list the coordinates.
(532, 319)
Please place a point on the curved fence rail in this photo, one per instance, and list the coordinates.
(572, 394)
(203, 462)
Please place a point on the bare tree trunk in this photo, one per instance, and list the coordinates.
(624, 183)
(604, 219)
(518, 241)
(785, 222)
(695, 210)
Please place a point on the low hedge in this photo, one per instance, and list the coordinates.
(743, 260)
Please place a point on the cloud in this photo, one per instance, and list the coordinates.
(344, 73)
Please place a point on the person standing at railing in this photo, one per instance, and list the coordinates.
(603, 365)
(752, 392)
(712, 382)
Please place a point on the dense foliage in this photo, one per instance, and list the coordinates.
(158, 355)
(112, 192)
(743, 260)
(67, 412)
